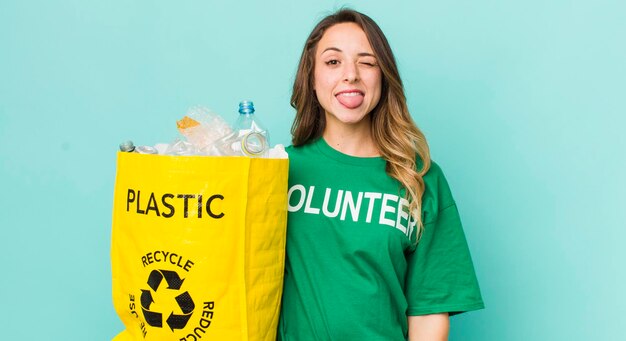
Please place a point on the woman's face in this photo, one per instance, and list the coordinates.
(347, 78)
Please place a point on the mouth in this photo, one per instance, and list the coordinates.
(351, 98)
(350, 93)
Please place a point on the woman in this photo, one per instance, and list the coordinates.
(375, 247)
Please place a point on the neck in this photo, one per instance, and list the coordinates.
(353, 141)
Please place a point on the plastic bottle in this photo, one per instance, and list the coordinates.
(249, 137)
(129, 147)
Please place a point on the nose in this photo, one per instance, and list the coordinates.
(351, 73)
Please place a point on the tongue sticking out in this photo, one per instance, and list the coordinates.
(350, 100)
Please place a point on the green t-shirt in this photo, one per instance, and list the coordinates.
(353, 270)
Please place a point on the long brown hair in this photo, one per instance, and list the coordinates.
(399, 140)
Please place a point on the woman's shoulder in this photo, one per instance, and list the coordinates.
(297, 150)
(302, 156)
(303, 150)
(437, 193)
(434, 171)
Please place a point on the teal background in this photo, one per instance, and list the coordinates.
(523, 104)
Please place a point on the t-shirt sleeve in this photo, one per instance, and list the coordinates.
(441, 276)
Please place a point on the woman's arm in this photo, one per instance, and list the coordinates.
(433, 327)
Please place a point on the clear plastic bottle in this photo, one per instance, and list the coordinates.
(249, 137)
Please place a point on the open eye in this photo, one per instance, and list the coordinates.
(332, 62)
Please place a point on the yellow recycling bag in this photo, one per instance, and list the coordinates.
(198, 246)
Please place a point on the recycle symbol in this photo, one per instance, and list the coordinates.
(185, 303)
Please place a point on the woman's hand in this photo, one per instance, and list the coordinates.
(433, 327)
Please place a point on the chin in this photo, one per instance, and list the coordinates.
(348, 118)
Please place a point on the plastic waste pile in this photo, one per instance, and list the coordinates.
(206, 133)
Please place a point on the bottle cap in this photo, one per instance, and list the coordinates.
(127, 146)
(246, 107)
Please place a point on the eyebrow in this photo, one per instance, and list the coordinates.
(361, 54)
